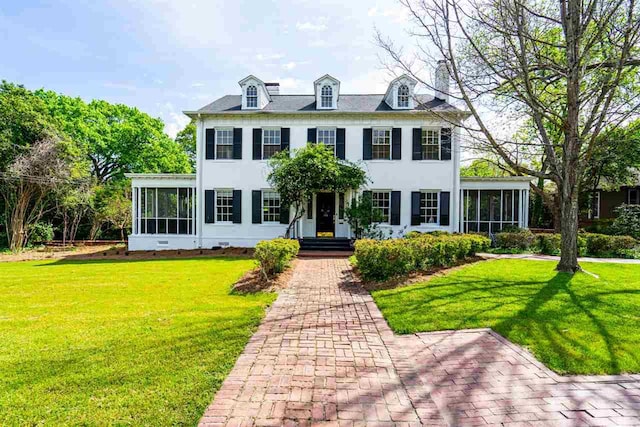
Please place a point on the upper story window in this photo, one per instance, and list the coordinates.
(252, 97)
(224, 143)
(271, 142)
(430, 144)
(381, 202)
(594, 205)
(381, 144)
(270, 206)
(328, 138)
(403, 96)
(429, 207)
(326, 97)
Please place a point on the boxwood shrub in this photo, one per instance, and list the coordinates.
(549, 244)
(521, 239)
(275, 255)
(381, 260)
(605, 245)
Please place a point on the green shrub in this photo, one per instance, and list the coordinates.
(3, 240)
(40, 232)
(521, 239)
(627, 221)
(549, 244)
(605, 245)
(381, 260)
(600, 226)
(275, 255)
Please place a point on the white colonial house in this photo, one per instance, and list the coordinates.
(408, 143)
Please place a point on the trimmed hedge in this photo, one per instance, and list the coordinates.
(606, 245)
(275, 255)
(549, 244)
(521, 239)
(383, 259)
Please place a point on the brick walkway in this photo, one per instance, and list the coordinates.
(324, 355)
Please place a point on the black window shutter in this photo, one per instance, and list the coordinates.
(340, 143)
(257, 144)
(444, 207)
(210, 146)
(256, 207)
(415, 208)
(311, 135)
(395, 208)
(396, 144)
(445, 144)
(367, 149)
(284, 138)
(341, 206)
(237, 143)
(284, 214)
(237, 206)
(209, 210)
(310, 208)
(417, 144)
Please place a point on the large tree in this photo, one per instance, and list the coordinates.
(568, 66)
(310, 170)
(186, 138)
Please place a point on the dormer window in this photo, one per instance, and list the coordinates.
(252, 97)
(326, 97)
(403, 96)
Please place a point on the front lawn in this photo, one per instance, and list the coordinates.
(579, 324)
(117, 342)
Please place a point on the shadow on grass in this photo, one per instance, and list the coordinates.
(80, 261)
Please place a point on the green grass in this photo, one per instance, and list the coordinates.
(573, 324)
(117, 342)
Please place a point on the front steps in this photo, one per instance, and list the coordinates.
(325, 244)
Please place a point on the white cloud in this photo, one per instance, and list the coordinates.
(119, 85)
(310, 26)
(174, 121)
(395, 14)
(374, 81)
(197, 84)
(262, 57)
(293, 85)
(291, 65)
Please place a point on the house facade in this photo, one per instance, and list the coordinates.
(408, 143)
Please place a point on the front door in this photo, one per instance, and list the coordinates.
(325, 214)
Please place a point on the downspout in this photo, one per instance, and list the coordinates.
(199, 165)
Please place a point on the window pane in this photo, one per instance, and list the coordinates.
(494, 205)
(430, 144)
(224, 205)
(327, 137)
(381, 203)
(271, 143)
(252, 97)
(381, 144)
(429, 207)
(506, 205)
(471, 206)
(224, 144)
(484, 206)
(326, 97)
(150, 203)
(403, 96)
(270, 206)
(167, 203)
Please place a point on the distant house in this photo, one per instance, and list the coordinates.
(602, 202)
(408, 143)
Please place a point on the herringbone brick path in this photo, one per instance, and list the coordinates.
(324, 355)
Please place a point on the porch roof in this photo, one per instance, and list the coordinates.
(162, 179)
(495, 183)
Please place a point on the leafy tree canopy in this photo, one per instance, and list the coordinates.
(186, 138)
(483, 168)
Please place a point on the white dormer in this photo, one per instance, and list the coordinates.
(399, 95)
(327, 90)
(254, 93)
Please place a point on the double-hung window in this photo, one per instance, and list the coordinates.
(403, 96)
(327, 136)
(252, 97)
(224, 143)
(430, 144)
(224, 205)
(381, 144)
(271, 141)
(429, 207)
(270, 206)
(326, 97)
(381, 202)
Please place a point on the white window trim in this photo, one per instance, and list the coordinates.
(215, 145)
(262, 191)
(390, 142)
(439, 130)
(408, 106)
(246, 97)
(215, 207)
(263, 134)
(331, 106)
(431, 224)
(335, 136)
(388, 222)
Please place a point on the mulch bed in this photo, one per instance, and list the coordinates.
(253, 281)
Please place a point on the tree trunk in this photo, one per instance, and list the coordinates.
(569, 232)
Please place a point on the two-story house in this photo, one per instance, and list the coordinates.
(408, 143)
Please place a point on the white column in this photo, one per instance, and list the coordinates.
(134, 210)
(525, 208)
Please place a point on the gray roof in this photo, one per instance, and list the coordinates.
(307, 104)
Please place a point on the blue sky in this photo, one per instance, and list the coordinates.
(167, 56)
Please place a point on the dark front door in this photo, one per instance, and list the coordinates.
(325, 209)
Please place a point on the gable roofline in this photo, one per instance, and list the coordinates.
(250, 77)
(392, 82)
(326, 76)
